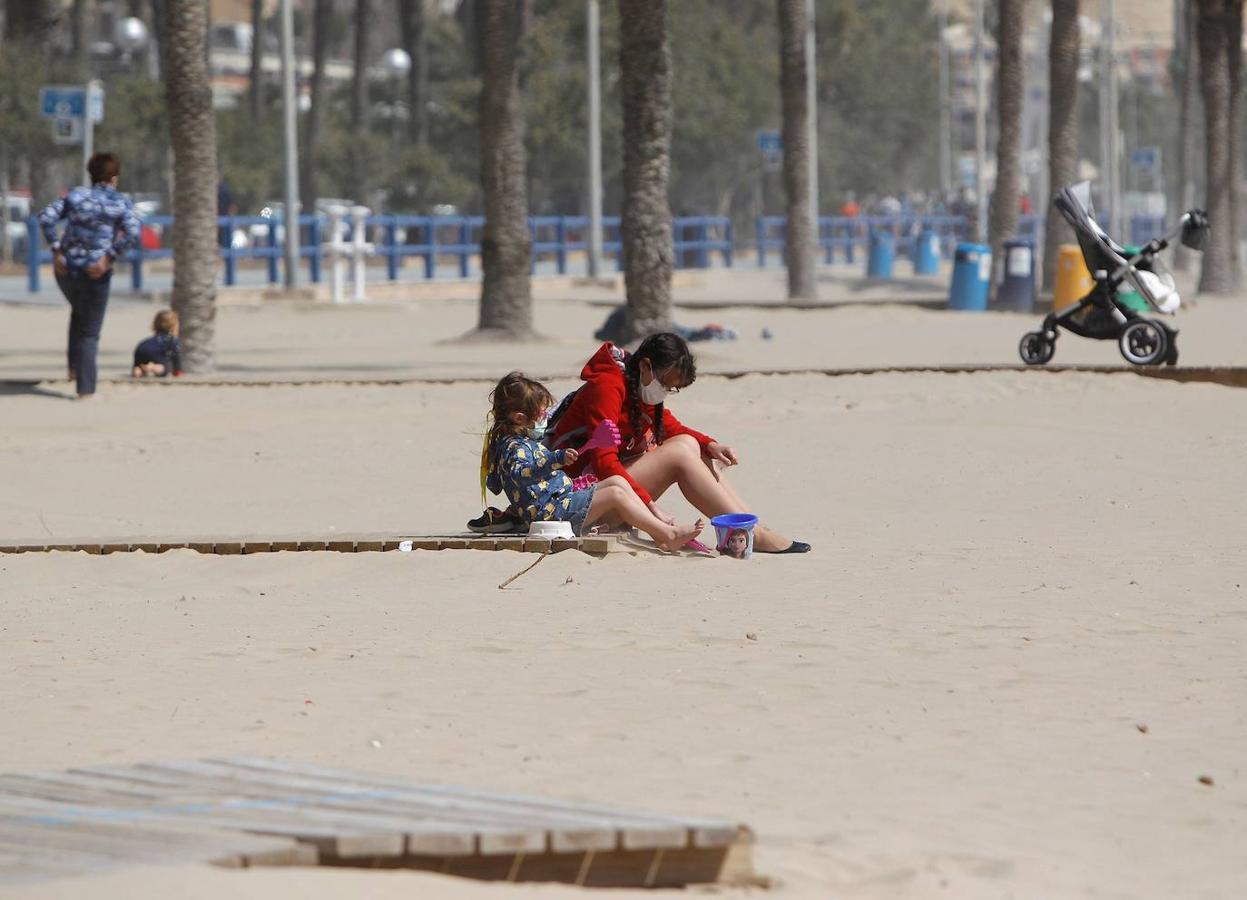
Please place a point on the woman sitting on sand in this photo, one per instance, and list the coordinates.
(656, 451)
(514, 462)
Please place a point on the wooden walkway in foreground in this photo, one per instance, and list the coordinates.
(597, 545)
(248, 811)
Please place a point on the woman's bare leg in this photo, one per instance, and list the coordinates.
(614, 500)
(679, 461)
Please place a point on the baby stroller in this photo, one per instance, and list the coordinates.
(1101, 315)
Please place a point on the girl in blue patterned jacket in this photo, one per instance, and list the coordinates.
(515, 463)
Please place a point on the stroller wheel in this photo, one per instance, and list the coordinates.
(1036, 348)
(1144, 342)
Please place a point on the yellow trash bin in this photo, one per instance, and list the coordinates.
(1073, 279)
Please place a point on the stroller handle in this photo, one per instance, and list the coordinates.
(1155, 245)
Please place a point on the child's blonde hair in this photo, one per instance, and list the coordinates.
(166, 320)
(515, 393)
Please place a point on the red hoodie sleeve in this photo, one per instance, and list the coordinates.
(671, 426)
(604, 399)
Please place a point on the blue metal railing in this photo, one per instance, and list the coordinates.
(433, 239)
(845, 235)
(396, 237)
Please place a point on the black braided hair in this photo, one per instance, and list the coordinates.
(664, 351)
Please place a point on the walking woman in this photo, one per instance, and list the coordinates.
(656, 450)
(101, 226)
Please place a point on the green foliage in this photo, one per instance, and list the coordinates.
(135, 112)
(878, 113)
(879, 96)
(25, 136)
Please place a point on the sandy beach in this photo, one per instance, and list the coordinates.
(1015, 650)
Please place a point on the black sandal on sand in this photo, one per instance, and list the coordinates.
(794, 547)
(494, 521)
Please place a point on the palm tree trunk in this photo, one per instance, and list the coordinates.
(645, 64)
(1063, 52)
(411, 15)
(1003, 223)
(506, 245)
(254, 81)
(799, 232)
(1234, 51)
(193, 131)
(158, 29)
(1216, 275)
(29, 20)
(359, 78)
(322, 12)
(77, 43)
(1188, 98)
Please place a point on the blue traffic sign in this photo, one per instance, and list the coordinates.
(770, 142)
(65, 102)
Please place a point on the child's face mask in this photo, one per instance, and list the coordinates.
(538, 429)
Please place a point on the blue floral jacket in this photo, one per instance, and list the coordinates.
(531, 476)
(101, 222)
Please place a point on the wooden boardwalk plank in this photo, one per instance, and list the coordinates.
(706, 833)
(242, 811)
(565, 832)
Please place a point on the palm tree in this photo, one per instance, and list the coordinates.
(645, 82)
(192, 122)
(1216, 18)
(359, 77)
(1007, 195)
(412, 23)
(506, 245)
(29, 20)
(1188, 96)
(800, 235)
(1063, 48)
(257, 50)
(322, 12)
(1234, 53)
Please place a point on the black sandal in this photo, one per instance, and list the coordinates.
(794, 547)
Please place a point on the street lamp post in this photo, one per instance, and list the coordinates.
(130, 36)
(595, 141)
(946, 183)
(980, 126)
(811, 105)
(290, 117)
(397, 63)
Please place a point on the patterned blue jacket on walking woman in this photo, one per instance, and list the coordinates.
(102, 222)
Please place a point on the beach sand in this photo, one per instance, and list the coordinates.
(1012, 573)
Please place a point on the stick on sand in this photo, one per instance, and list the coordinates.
(523, 571)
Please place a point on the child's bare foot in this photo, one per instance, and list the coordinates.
(136, 372)
(681, 535)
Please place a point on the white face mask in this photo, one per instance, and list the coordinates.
(655, 392)
(538, 429)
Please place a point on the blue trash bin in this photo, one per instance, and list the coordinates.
(882, 251)
(972, 274)
(927, 253)
(1016, 292)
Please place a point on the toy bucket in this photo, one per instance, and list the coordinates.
(733, 534)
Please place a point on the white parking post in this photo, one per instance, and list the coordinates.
(361, 248)
(337, 251)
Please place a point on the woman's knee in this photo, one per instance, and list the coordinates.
(612, 488)
(683, 443)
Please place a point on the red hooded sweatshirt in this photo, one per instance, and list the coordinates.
(604, 395)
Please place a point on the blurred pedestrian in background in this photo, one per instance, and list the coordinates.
(100, 226)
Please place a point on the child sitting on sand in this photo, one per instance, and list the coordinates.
(160, 354)
(515, 463)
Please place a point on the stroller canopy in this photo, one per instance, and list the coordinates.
(1148, 276)
(1098, 249)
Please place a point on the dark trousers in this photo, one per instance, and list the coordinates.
(88, 298)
